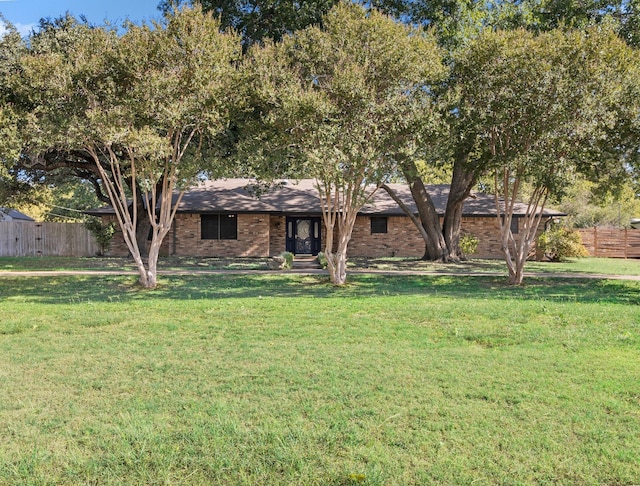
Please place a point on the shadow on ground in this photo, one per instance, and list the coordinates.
(80, 289)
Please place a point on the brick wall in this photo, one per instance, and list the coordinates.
(184, 239)
(262, 235)
(487, 231)
(404, 240)
(401, 239)
(277, 235)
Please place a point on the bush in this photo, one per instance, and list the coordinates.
(287, 256)
(103, 232)
(322, 260)
(468, 244)
(559, 243)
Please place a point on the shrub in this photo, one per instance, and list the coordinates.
(322, 260)
(468, 244)
(558, 243)
(287, 256)
(103, 232)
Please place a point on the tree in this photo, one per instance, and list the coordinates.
(541, 108)
(587, 206)
(340, 104)
(257, 20)
(11, 48)
(138, 107)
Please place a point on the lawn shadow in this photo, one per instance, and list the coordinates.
(91, 288)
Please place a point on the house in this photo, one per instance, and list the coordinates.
(226, 218)
(7, 215)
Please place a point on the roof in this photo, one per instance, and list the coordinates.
(7, 214)
(301, 197)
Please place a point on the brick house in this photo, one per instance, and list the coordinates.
(224, 218)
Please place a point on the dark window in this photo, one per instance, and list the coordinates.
(228, 227)
(219, 227)
(515, 220)
(514, 225)
(378, 225)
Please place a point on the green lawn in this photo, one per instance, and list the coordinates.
(284, 379)
(127, 264)
(605, 266)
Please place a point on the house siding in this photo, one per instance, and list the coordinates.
(253, 238)
(184, 239)
(262, 235)
(277, 235)
(487, 230)
(401, 239)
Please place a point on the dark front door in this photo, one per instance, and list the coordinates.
(303, 235)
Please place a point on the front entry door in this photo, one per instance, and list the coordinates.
(303, 235)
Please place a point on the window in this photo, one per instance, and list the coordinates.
(219, 227)
(378, 225)
(228, 227)
(514, 225)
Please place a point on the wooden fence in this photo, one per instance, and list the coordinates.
(46, 239)
(611, 243)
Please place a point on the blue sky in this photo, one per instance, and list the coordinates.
(25, 14)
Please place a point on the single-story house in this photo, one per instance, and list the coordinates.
(225, 218)
(12, 215)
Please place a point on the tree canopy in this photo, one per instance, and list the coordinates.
(342, 104)
(257, 20)
(541, 108)
(137, 109)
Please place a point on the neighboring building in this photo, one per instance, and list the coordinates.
(223, 218)
(7, 214)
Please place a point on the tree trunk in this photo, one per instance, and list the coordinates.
(516, 276)
(142, 232)
(143, 223)
(462, 182)
(337, 266)
(435, 246)
(337, 261)
(152, 265)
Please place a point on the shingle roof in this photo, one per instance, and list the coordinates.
(301, 197)
(14, 215)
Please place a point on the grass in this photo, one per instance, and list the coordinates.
(284, 379)
(602, 266)
(126, 264)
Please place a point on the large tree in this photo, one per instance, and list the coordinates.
(542, 108)
(340, 103)
(12, 47)
(136, 108)
(456, 23)
(257, 20)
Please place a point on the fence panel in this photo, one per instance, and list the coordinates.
(46, 239)
(611, 243)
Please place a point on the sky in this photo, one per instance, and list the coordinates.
(25, 14)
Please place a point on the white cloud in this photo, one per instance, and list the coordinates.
(25, 29)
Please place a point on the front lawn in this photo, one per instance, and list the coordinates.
(602, 266)
(284, 379)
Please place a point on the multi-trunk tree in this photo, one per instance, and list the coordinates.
(138, 109)
(341, 104)
(541, 108)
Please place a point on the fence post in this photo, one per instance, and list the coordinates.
(626, 252)
(595, 241)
